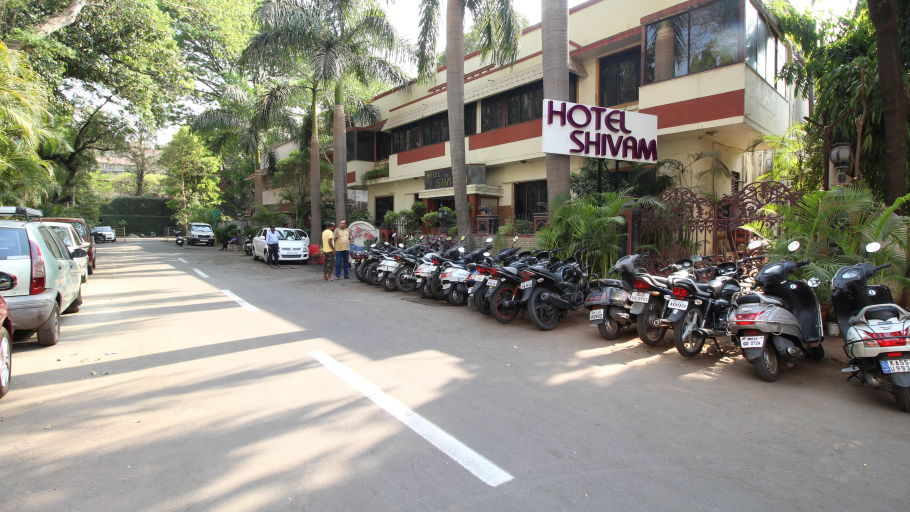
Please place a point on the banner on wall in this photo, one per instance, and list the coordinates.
(597, 132)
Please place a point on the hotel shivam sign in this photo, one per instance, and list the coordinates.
(598, 132)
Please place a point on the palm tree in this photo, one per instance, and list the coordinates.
(499, 42)
(338, 40)
(555, 34)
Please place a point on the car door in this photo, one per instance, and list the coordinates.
(259, 242)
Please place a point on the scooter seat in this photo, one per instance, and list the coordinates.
(615, 283)
(662, 281)
(707, 289)
(754, 298)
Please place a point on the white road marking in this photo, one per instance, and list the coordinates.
(244, 304)
(182, 260)
(201, 273)
(477, 464)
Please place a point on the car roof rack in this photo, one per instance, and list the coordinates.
(21, 211)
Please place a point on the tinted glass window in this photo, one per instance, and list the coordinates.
(64, 235)
(470, 119)
(13, 244)
(619, 75)
(530, 198)
(79, 229)
(491, 114)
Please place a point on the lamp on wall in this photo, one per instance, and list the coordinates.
(842, 158)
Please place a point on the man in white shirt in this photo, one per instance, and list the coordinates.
(271, 239)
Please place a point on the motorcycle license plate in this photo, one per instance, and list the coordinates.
(446, 286)
(640, 297)
(526, 284)
(596, 314)
(419, 280)
(751, 341)
(895, 365)
(492, 283)
(678, 304)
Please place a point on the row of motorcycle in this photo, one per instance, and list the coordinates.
(774, 317)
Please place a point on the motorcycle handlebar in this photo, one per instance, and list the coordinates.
(802, 264)
(882, 267)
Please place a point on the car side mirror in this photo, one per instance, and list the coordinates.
(7, 281)
(78, 253)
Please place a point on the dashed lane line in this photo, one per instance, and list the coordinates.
(201, 273)
(244, 304)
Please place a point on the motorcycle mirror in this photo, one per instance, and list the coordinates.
(489, 240)
(793, 246)
(486, 255)
(814, 282)
(515, 238)
(755, 244)
(400, 245)
(461, 249)
(462, 238)
(394, 235)
(873, 247)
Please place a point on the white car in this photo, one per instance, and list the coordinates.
(72, 240)
(104, 234)
(293, 245)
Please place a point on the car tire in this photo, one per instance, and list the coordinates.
(49, 332)
(75, 306)
(6, 362)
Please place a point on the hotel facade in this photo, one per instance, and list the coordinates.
(706, 69)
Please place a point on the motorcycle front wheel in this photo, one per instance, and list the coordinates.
(481, 302)
(502, 313)
(687, 343)
(544, 316)
(456, 297)
(650, 333)
(389, 282)
(405, 281)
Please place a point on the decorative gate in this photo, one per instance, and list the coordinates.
(687, 223)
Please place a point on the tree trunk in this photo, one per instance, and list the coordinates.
(340, 154)
(455, 85)
(555, 33)
(63, 19)
(885, 15)
(315, 175)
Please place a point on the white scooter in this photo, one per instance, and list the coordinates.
(875, 330)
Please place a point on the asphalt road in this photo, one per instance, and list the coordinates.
(167, 394)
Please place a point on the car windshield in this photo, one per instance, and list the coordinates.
(13, 244)
(203, 228)
(301, 233)
(79, 228)
(288, 234)
(103, 229)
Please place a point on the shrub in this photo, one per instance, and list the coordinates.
(418, 208)
(375, 174)
(431, 219)
(390, 220)
(446, 216)
(453, 231)
(225, 233)
(523, 227)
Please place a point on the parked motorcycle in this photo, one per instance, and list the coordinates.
(874, 329)
(609, 300)
(506, 297)
(553, 294)
(248, 246)
(457, 276)
(698, 312)
(179, 239)
(780, 324)
(648, 304)
(483, 278)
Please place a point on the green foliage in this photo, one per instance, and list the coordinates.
(453, 231)
(640, 179)
(138, 214)
(431, 219)
(833, 228)
(390, 220)
(797, 159)
(375, 174)
(419, 209)
(192, 176)
(266, 216)
(838, 67)
(591, 226)
(524, 227)
(226, 232)
(446, 216)
(24, 126)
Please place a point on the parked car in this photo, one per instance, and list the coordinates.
(200, 233)
(7, 281)
(104, 234)
(293, 245)
(72, 240)
(82, 228)
(47, 278)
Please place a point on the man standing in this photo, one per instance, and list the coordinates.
(271, 239)
(342, 246)
(328, 251)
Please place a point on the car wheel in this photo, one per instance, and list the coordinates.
(6, 362)
(77, 302)
(49, 332)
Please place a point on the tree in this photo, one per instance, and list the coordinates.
(499, 28)
(339, 40)
(192, 172)
(886, 15)
(25, 176)
(555, 34)
(141, 152)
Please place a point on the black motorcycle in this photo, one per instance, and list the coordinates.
(609, 300)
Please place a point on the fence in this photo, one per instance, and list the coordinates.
(686, 222)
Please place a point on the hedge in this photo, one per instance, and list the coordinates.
(141, 214)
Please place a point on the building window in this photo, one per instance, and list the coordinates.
(573, 87)
(701, 39)
(360, 145)
(619, 78)
(765, 53)
(430, 130)
(470, 119)
(519, 105)
(530, 198)
(383, 146)
(383, 206)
